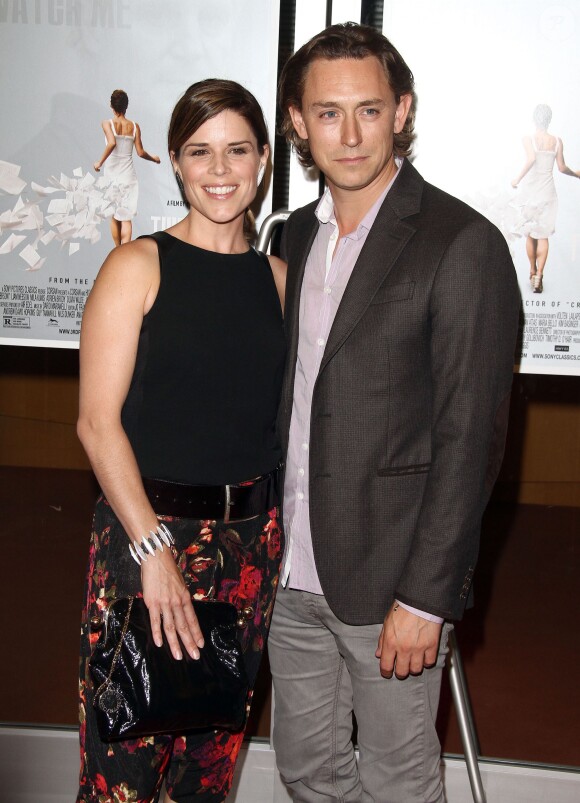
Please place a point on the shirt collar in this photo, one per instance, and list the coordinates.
(325, 209)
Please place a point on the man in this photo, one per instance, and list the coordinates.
(401, 310)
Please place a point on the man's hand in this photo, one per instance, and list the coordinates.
(407, 644)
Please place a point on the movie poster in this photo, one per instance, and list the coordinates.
(60, 62)
(498, 126)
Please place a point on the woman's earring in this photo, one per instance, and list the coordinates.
(260, 176)
(179, 181)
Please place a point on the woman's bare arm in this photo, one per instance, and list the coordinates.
(141, 150)
(123, 292)
(530, 159)
(109, 147)
(279, 272)
(562, 166)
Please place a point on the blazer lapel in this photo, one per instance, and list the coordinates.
(385, 241)
(302, 240)
(304, 237)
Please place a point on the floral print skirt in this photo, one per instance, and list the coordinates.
(196, 766)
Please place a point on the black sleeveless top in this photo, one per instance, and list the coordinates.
(203, 399)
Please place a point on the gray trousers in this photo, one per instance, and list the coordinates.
(323, 671)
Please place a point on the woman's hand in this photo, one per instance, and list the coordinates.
(169, 601)
(96, 167)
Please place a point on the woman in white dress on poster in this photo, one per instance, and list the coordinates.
(121, 135)
(537, 200)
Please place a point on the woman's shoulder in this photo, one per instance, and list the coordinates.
(129, 275)
(545, 142)
(139, 256)
(278, 267)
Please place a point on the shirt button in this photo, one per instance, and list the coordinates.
(305, 446)
(300, 472)
(328, 290)
(320, 341)
(300, 495)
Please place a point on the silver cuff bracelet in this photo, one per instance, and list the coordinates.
(151, 544)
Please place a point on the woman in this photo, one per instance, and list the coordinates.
(120, 135)
(182, 352)
(537, 200)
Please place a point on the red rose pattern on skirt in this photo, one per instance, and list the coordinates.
(245, 558)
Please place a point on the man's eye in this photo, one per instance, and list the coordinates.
(371, 112)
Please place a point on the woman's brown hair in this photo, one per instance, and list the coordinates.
(206, 99)
(119, 101)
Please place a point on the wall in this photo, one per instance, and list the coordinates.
(542, 460)
(38, 410)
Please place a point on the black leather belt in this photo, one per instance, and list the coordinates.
(222, 502)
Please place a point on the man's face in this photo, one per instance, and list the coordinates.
(349, 115)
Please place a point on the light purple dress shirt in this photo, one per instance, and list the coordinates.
(327, 272)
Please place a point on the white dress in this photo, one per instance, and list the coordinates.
(536, 201)
(123, 190)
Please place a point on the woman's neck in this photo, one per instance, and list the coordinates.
(223, 238)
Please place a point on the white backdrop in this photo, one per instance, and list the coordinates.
(60, 61)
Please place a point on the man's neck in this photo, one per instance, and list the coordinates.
(351, 205)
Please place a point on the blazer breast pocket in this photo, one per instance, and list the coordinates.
(404, 471)
(394, 292)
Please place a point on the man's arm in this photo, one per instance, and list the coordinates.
(474, 314)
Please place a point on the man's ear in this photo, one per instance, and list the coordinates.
(298, 121)
(401, 112)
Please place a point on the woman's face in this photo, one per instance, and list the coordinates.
(219, 165)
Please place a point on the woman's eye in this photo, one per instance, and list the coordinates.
(238, 151)
(198, 152)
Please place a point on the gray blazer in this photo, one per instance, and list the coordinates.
(410, 407)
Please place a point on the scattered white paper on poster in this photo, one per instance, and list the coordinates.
(37, 266)
(86, 181)
(23, 217)
(66, 228)
(30, 256)
(39, 190)
(73, 248)
(65, 182)
(48, 237)
(30, 217)
(11, 242)
(9, 178)
(59, 206)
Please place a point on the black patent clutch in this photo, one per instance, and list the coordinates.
(141, 690)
